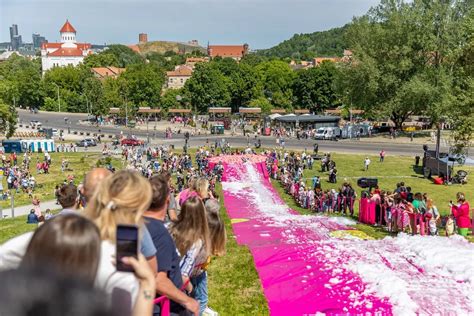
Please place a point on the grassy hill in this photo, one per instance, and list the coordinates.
(305, 46)
(164, 46)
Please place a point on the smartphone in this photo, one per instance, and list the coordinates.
(127, 245)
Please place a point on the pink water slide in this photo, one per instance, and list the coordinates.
(305, 270)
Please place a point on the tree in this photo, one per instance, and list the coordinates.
(305, 46)
(93, 92)
(71, 81)
(262, 103)
(144, 83)
(23, 78)
(102, 59)
(8, 118)
(461, 115)
(401, 64)
(124, 55)
(277, 79)
(226, 65)
(207, 87)
(314, 89)
(172, 99)
(244, 86)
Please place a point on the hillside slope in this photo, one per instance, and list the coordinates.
(164, 46)
(321, 44)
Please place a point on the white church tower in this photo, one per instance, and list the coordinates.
(66, 53)
(68, 35)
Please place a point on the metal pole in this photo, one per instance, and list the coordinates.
(147, 132)
(438, 139)
(59, 100)
(12, 201)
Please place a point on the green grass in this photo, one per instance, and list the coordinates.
(11, 227)
(393, 170)
(78, 162)
(234, 285)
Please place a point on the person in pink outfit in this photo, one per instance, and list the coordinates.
(461, 214)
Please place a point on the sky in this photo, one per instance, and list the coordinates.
(260, 23)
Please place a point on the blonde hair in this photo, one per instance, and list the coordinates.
(119, 199)
(202, 187)
(217, 231)
(191, 226)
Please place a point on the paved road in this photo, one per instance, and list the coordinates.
(56, 120)
(25, 209)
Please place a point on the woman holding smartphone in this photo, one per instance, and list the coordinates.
(461, 214)
(121, 199)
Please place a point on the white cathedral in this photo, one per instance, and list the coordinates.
(68, 52)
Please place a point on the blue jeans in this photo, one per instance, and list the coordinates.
(200, 290)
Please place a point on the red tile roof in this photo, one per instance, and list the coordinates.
(135, 48)
(319, 60)
(71, 52)
(111, 71)
(236, 51)
(180, 71)
(67, 27)
(82, 46)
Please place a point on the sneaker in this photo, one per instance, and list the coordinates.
(209, 312)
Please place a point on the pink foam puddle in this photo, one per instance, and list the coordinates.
(297, 277)
(304, 270)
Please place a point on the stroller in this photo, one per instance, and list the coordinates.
(460, 177)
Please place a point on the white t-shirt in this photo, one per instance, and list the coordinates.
(120, 286)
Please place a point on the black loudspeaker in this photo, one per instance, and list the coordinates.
(367, 182)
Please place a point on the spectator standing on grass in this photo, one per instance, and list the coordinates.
(382, 155)
(460, 212)
(366, 163)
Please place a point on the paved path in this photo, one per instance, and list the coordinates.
(25, 209)
(51, 119)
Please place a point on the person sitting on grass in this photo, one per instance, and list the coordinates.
(32, 218)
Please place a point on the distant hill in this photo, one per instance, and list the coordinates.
(164, 46)
(322, 44)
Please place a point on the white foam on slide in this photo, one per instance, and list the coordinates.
(418, 274)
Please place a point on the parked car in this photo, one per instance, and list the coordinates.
(131, 142)
(86, 142)
(35, 123)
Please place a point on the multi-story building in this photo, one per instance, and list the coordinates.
(228, 51)
(15, 38)
(67, 52)
(178, 77)
(38, 40)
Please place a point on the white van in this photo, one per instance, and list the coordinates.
(327, 133)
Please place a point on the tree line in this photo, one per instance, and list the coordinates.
(409, 58)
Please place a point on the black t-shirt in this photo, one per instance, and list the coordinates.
(166, 254)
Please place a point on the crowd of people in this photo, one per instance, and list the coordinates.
(179, 223)
(397, 210)
(401, 210)
(173, 203)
